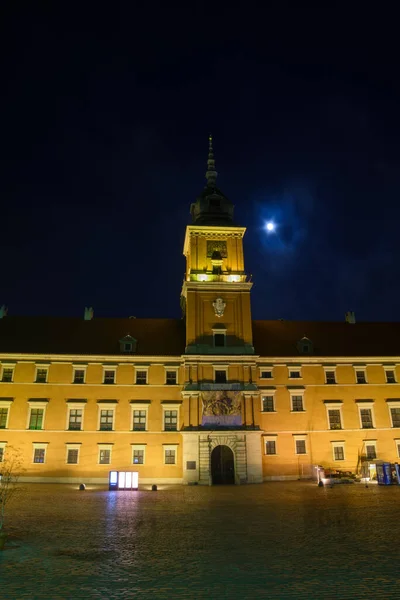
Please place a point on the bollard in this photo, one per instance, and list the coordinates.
(154, 488)
(82, 487)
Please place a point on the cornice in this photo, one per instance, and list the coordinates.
(211, 232)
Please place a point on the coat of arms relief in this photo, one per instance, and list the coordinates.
(219, 307)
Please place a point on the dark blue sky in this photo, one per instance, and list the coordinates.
(105, 116)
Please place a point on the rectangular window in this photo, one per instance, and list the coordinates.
(7, 375)
(36, 418)
(104, 456)
(395, 412)
(266, 375)
(170, 420)
(370, 450)
(1, 454)
(330, 377)
(72, 456)
(79, 375)
(390, 376)
(75, 419)
(138, 457)
(366, 418)
(109, 377)
(219, 340)
(3, 417)
(220, 376)
(139, 420)
(270, 447)
(398, 449)
(141, 377)
(301, 447)
(106, 420)
(335, 421)
(171, 377)
(338, 452)
(39, 455)
(41, 376)
(268, 404)
(170, 457)
(294, 374)
(297, 403)
(360, 376)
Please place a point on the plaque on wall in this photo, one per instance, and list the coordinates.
(222, 408)
(216, 246)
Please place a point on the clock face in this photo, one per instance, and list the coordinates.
(216, 246)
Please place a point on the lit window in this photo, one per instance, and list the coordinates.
(220, 376)
(3, 418)
(79, 375)
(330, 377)
(36, 418)
(170, 457)
(268, 404)
(301, 447)
(7, 375)
(72, 456)
(139, 420)
(109, 376)
(297, 404)
(170, 420)
(41, 376)
(366, 418)
(390, 376)
(106, 419)
(361, 376)
(39, 455)
(104, 456)
(338, 452)
(335, 421)
(138, 456)
(294, 374)
(270, 447)
(75, 419)
(171, 377)
(370, 450)
(141, 377)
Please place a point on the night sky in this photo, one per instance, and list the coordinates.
(105, 115)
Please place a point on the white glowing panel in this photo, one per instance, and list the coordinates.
(121, 480)
(135, 480)
(113, 476)
(128, 480)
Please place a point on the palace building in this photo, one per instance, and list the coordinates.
(214, 397)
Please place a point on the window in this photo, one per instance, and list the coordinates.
(395, 414)
(294, 374)
(330, 377)
(366, 418)
(41, 375)
(138, 456)
(338, 452)
(128, 344)
(297, 404)
(106, 419)
(109, 376)
(2, 447)
(7, 374)
(141, 377)
(370, 451)
(36, 418)
(301, 447)
(334, 416)
(268, 404)
(79, 376)
(72, 456)
(270, 447)
(75, 419)
(266, 374)
(220, 376)
(170, 420)
(361, 376)
(39, 455)
(390, 376)
(3, 418)
(219, 340)
(170, 454)
(397, 446)
(104, 456)
(139, 420)
(171, 377)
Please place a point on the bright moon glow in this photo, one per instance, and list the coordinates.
(270, 226)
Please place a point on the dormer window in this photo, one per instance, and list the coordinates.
(305, 345)
(127, 345)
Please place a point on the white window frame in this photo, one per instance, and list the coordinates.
(266, 370)
(39, 446)
(140, 368)
(104, 447)
(33, 404)
(176, 407)
(3, 447)
(369, 405)
(176, 370)
(104, 405)
(397, 443)
(297, 370)
(138, 447)
(137, 406)
(7, 366)
(171, 447)
(297, 393)
(6, 404)
(110, 368)
(270, 438)
(42, 368)
(79, 368)
(339, 445)
(219, 332)
(300, 438)
(395, 403)
(262, 396)
(329, 369)
(364, 370)
(72, 447)
(370, 443)
(334, 406)
(71, 406)
(390, 368)
(221, 368)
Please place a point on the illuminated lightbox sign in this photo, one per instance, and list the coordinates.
(123, 480)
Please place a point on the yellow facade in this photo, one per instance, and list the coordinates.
(264, 391)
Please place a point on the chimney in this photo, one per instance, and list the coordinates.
(88, 316)
(3, 311)
(350, 317)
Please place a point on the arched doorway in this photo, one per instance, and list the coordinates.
(222, 465)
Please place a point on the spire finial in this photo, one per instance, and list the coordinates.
(211, 174)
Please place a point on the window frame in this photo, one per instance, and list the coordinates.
(221, 332)
(330, 370)
(220, 368)
(270, 438)
(295, 370)
(297, 393)
(167, 407)
(41, 404)
(337, 444)
(100, 448)
(269, 395)
(170, 447)
(3, 446)
(172, 370)
(70, 446)
(144, 369)
(140, 406)
(6, 367)
(41, 368)
(106, 405)
(397, 444)
(370, 443)
(390, 369)
(39, 446)
(72, 405)
(138, 447)
(361, 370)
(264, 370)
(366, 405)
(79, 368)
(108, 369)
(6, 403)
(395, 403)
(334, 405)
(300, 438)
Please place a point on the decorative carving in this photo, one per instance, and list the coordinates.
(219, 307)
(216, 246)
(221, 403)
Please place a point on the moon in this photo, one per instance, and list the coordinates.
(270, 226)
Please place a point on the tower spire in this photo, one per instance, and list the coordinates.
(211, 174)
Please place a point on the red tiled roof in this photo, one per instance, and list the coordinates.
(53, 335)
